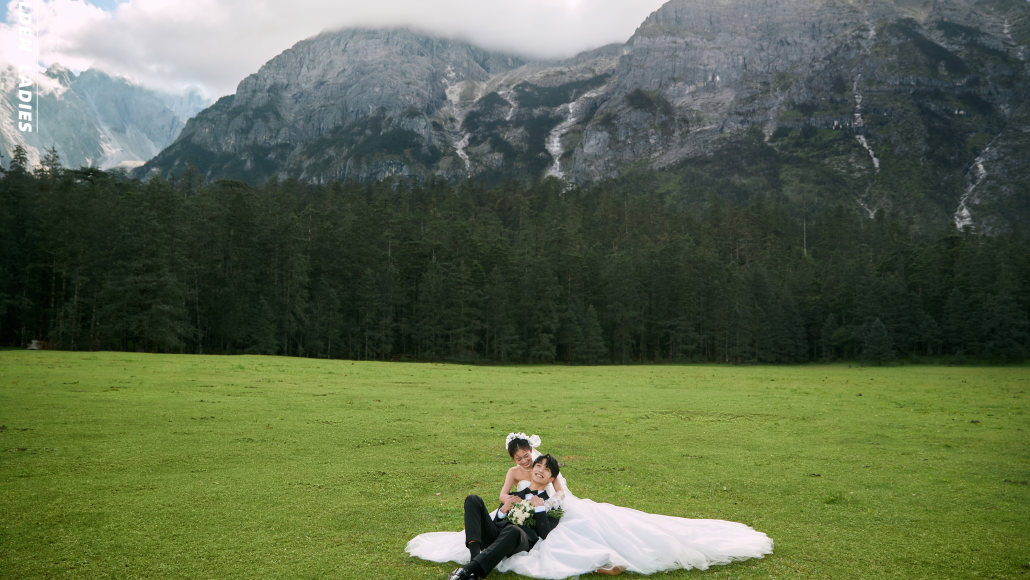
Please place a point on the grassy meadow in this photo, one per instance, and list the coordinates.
(116, 465)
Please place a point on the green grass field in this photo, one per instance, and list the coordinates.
(127, 465)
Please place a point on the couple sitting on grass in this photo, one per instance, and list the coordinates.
(542, 530)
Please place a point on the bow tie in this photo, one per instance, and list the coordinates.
(537, 493)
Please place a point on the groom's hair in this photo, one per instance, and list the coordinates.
(549, 462)
(516, 444)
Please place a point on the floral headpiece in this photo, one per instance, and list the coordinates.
(534, 440)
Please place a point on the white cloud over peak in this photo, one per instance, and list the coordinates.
(214, 44)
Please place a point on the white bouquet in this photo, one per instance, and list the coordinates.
(521, 513)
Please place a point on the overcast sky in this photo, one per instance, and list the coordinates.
(214, 44)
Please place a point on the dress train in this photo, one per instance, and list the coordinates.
(594, 535)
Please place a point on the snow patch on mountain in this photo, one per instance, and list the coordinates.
(509, 95)
(860, 124)
(977, 172)
(573, 114)
(462, 96)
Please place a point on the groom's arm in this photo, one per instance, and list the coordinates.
(501, 513)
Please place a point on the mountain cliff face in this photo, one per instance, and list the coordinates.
(882, 94)
(363, 104)
(893, 105)
(92, 119)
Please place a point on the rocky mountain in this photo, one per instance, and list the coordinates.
(361, 104)
(891, 105)
(898, 100)
(93, 119)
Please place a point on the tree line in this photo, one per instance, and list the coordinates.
(514, 273)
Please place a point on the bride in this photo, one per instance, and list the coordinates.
(522, 449)
(602, 537)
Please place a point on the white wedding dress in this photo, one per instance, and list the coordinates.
(594, 535)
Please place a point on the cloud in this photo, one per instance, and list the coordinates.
(214, 44)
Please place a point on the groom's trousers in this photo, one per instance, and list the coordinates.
(496, 542)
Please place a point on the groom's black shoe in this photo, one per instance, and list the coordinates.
(463, 574)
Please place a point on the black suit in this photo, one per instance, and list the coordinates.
(499, 538)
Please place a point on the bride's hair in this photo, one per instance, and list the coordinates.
(516, 444)
(549, 462)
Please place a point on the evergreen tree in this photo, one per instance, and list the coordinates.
(50, 166)
(501, 340)
(537, 310)
(1004, 326)
(877, 345)
(570, 335)
(430, 319)
(635, 270)
(376, 295)
(141, 294)
(19, 161)
(624, 299)
(593, 348)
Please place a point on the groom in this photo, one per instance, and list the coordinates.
(490, 537)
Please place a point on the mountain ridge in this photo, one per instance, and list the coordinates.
(95, 119)
(887, 93)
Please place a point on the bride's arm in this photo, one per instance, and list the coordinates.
(509, 482)
(560, 493)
